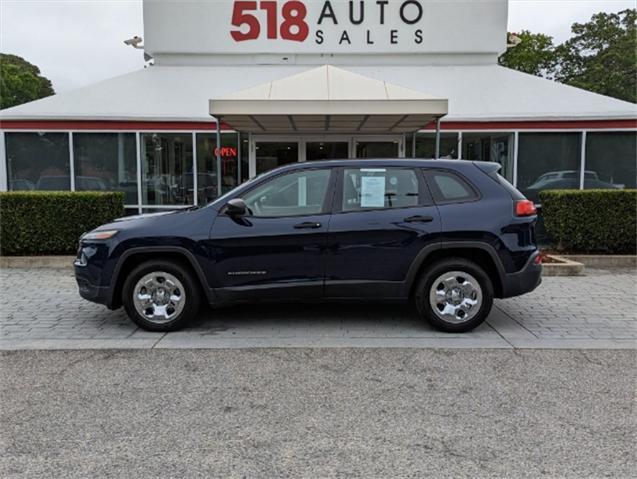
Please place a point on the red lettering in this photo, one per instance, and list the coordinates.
(293, 27)
(239, 18)
(270, 9)
(294, 13)
(226, 152)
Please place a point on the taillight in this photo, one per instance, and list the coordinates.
(525, 208)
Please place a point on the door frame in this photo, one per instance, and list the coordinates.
(301, 141)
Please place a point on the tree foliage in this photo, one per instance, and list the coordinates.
(21, 82)
(601, 55)
(534, 55)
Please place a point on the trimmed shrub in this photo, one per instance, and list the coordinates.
(591, 221)
(51, 222)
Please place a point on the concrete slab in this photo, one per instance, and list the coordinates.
(41, 309)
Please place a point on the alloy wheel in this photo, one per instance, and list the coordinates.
(455, 297)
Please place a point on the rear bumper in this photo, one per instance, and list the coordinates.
(525, 280)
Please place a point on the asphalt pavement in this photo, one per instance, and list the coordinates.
(347, 412)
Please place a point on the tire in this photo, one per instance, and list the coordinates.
(161, 295)
(450, 285)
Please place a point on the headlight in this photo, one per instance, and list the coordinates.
(99, 235)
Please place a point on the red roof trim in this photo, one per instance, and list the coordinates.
(536, 125)
(109, 125)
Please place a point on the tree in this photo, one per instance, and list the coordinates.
(535, 54)
(21, 82)
(602, 55)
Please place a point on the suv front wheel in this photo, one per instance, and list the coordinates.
(160, 296)
(455, 295)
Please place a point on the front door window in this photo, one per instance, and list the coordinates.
(294, 194)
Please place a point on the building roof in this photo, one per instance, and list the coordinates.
(328, 99)
(181, 93)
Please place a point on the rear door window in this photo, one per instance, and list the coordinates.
(379, 188)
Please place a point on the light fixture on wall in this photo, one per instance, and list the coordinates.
(135, 42)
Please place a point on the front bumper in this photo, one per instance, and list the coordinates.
(525, 280)
(90, 292)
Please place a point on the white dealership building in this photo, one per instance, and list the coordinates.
(302, 80)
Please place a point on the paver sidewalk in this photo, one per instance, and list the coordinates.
(41, 309)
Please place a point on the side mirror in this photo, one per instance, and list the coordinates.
(236, 207)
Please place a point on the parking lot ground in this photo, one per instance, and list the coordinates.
(41, 309)
(346, 412)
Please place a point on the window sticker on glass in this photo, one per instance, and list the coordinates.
(373, 191)
(373, 170)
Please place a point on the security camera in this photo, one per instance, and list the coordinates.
(134, 42)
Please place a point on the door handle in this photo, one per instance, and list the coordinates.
(419, 219)
(308, 225)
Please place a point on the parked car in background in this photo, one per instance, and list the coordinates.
(63, 183)
(21, 185)
(449, 235)
(566, 180)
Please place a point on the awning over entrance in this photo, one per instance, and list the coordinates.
(328, 100)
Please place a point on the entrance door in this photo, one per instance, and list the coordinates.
(272, 154)
(326, 150)
(379, 147)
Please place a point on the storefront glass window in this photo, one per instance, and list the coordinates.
(273, 154)
(207, 166)
(548, 161)
(38, 161)
(166, 162)
(244, 152)
(106, 161)
(495, 147)
(611, 160)
(426, 145)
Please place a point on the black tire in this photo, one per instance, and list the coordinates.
(432, 273)
(181, 272)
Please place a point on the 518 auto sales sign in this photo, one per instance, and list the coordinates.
(325, 26)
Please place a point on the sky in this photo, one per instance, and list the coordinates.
(79, 42)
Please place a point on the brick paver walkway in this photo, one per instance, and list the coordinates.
(40, 308)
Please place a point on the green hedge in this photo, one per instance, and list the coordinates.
(591, 221)
(46, 222)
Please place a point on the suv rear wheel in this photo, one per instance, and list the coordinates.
(160, 296)
(454, 295)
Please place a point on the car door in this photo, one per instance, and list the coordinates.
(383, 217)
(277, 250)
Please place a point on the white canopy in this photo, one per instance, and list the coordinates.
(476, 93)
(328, 99)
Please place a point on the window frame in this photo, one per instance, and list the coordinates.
(424, 195)
(433, 187)
(326, 208)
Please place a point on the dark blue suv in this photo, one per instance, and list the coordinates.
(450, 235)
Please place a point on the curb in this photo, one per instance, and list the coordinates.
(604, 261)
(37, 262)
(567, 267)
